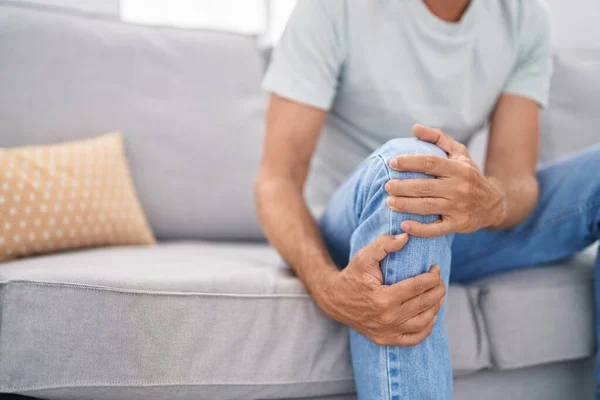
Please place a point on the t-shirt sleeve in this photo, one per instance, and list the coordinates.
(306, 64)
(531, 74)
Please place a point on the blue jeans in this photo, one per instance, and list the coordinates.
(566, 220)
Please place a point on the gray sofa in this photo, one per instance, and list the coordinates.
(209, 313)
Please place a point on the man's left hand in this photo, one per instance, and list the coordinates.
(465, 199)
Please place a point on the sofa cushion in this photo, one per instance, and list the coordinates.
(558, 381)
(523, 318)
(469, 346)
(540, 315)
(188, 102)
(68, 196)
(200, 317)
(573, 380)
(190, 316)
(572, 121)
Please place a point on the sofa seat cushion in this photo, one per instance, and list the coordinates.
(539, 315)
(198, 317)
(191, 316)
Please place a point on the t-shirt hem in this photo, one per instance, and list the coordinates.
(530, 94)
(294, 90)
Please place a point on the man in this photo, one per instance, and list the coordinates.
(370, 72)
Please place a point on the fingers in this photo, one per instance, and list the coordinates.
(421, 206)
(425, 163)
(399, 322)
(440, 139)
(380, 248)
(418, 187)
(407, 289)
(420, 322)
(413, 308)
(438, 228)
(413, 339)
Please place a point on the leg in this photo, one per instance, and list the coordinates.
(355, 216)
(565, 221)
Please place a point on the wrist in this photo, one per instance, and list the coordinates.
(499, 212)
(321, 285)
(320, 279)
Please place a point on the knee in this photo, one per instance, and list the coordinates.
(375, 203)
(595, 154)
(592, 166)
(403, 146)
(378, 172)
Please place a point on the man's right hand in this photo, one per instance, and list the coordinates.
(402, 314)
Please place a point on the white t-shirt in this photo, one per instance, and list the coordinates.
(380, 66)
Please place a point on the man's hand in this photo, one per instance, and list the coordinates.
(402, 314)
(465, 199)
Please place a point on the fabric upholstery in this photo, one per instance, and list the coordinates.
(167, 316)
(68, 196)
(182, 98)
(521, 312)
(572, 122)
(556, 381)
(469, 347)
(560, 381)
(172, 315)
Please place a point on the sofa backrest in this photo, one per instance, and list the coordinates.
(572, 120)
(188, 102)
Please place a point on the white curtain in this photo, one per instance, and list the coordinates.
(240, 16)
(279, 12)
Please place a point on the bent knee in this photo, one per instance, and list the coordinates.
(403, 146)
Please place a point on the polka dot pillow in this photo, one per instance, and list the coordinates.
(68, 196)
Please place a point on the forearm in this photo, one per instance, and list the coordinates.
(520, 198)
(512, 156)
(292, 230)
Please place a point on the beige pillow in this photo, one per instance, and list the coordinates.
(68, 196)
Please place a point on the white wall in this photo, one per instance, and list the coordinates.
(575, 23)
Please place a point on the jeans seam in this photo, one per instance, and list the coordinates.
(385, 273)
(370, 189)
(385, 264)
(535, 228)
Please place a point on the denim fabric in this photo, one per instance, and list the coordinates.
(566, 220)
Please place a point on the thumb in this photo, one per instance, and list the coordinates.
(436, 270)
(375, 252)
(441, 140)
